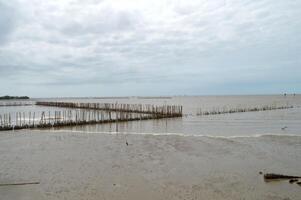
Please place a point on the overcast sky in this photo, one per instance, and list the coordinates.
(149, 47)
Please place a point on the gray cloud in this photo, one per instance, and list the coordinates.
(103, 23)
(7, 21)
(195, 46)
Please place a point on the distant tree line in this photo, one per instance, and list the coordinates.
(13, 97)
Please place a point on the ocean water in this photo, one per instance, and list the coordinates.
(280, 122)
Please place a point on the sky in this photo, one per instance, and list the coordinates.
(75, 48)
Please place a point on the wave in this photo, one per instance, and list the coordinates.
(175, 134)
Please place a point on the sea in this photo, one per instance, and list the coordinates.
(278, 122)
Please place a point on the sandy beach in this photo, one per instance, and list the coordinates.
(92, 166)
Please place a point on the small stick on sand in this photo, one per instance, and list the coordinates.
(25, 183)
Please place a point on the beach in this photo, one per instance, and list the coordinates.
(101, 166)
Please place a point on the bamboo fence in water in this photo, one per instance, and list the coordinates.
(165, 110)
(85, 113)
(16, 103)
(218, 111)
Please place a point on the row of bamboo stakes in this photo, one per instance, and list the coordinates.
(217, 111)
(16, 103)
(165, 110)
(87, 113)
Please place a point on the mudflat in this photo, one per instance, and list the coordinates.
(82, 165)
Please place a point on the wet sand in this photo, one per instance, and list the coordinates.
(92, 166)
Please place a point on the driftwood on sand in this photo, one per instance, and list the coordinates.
(279, 176)
(23, 183)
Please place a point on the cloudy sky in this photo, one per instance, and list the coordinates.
(149, 47)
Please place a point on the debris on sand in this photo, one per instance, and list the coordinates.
(279, 176)
(283, 128)
(293, 180)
